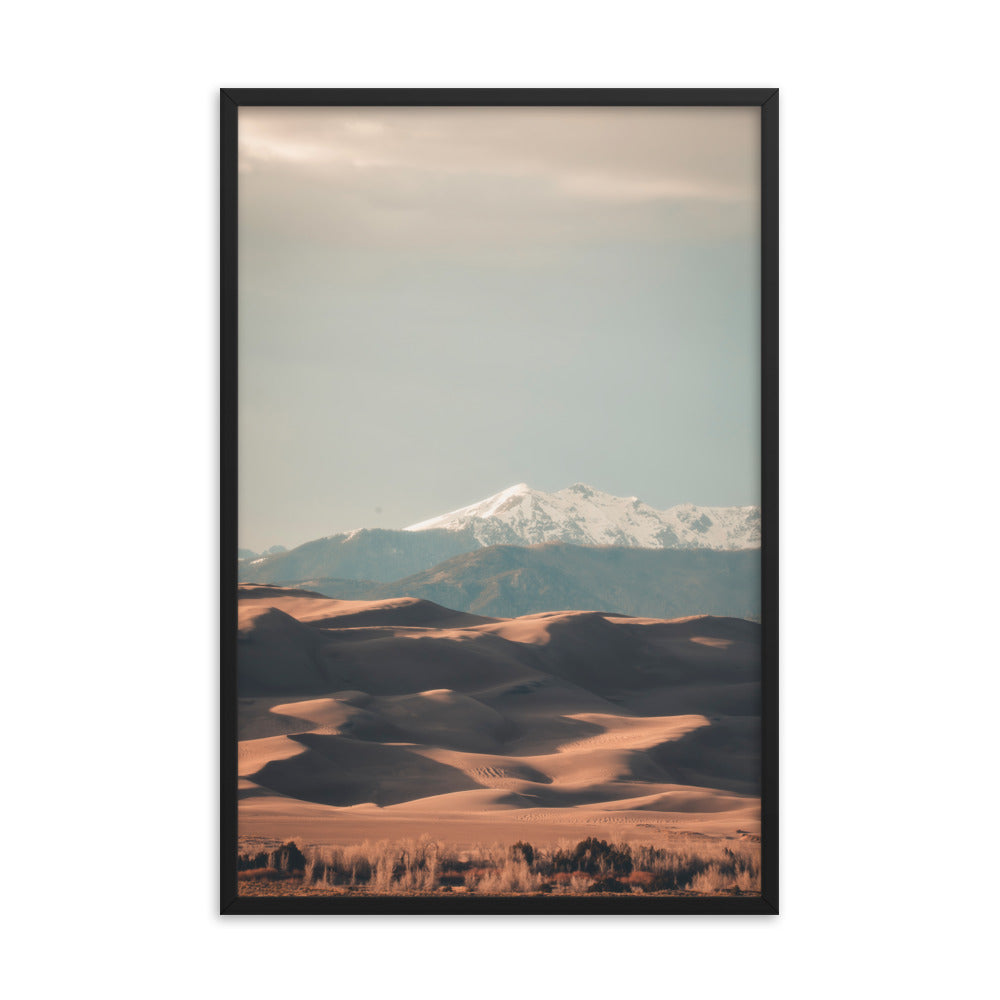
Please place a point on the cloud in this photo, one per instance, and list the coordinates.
(627, 153)
(449, 178)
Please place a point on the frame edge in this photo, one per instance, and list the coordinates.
(231, 99)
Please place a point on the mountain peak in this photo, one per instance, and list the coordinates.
(583, 515)
(518, 489)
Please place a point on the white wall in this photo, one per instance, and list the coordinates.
(889, 544)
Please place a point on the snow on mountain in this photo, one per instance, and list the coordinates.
(581, 515)
(249, 556)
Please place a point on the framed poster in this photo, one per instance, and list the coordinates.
(499, 501)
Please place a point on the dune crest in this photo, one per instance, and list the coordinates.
(394, 718)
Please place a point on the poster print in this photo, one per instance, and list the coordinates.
(498, 507)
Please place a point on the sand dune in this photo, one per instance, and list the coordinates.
(316, 609)
(393, 718)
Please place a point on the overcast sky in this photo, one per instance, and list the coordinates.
(437, 303)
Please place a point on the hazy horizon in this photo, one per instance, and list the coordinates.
(436, 304)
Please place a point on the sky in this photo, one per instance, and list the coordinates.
(437, 303)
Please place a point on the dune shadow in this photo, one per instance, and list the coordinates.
(337, 771)
(725, 755)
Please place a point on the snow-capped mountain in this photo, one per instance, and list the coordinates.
(581, 515)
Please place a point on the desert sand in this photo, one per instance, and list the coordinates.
(389, 720)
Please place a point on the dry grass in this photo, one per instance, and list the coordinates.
(703, 867)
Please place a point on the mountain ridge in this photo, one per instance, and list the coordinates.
(509, 581)
(377, 554)
(357, 562)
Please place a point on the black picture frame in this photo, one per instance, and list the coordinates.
(233, 99)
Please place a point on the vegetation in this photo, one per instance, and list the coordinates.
(702, 867)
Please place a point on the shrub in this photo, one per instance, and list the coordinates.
(609, 885)
(246, 862)
(641, 879)
(261, 875)
(288, 858)
(690, 864)
(513, 876)
(595, 857)
(524, 851)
